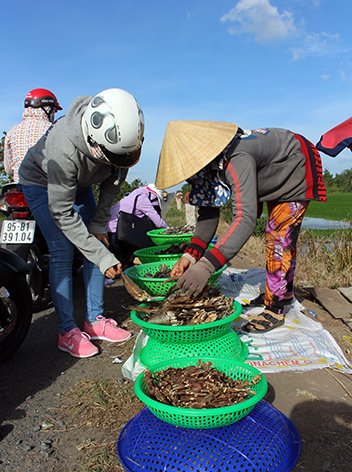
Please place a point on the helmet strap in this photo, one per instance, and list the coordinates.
(50, 113)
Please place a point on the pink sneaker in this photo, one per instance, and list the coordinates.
(77, 343)
(106, 329)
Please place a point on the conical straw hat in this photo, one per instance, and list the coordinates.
(189, 146)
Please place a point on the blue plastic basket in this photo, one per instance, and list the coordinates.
(264, 441)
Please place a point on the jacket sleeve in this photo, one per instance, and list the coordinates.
(241, 175)
(146, 207)
(62, 188)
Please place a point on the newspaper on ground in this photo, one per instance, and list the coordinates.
(301, 344)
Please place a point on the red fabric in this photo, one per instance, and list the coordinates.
(337, 139)
(309, 176)
(334, 136)
(196, 248)
(216, 258)
(198, 242)
(314, 170)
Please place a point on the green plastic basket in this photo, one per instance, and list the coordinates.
(227, 345)
(159, 287)
(149, 254)
(158, 237)
(189, 333)
(204, 418)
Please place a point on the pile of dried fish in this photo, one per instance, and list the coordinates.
(178, 309)
(174, 249)
(162, 273)
(185, 229)
(199, 386)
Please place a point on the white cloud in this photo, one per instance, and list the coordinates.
(266, 23)
(316, 44)
(345, 71)
(260, 18)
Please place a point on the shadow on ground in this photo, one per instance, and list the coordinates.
(324, 426)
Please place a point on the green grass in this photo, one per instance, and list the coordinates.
(338, 207)
(174, 217)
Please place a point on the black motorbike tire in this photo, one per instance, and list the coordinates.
(16, 307)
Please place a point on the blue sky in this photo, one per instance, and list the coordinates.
(282, 63)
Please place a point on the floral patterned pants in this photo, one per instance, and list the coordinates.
(281, 234)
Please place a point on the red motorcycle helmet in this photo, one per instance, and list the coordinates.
(40, 98)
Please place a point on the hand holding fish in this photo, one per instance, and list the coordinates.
(181, 266)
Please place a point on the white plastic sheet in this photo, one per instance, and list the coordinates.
(133, 367)
(301, 344)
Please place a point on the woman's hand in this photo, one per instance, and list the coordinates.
(113, 271)
(102, 237)
(196, 278)
(180, 267)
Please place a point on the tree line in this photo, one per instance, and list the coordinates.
(340, 182)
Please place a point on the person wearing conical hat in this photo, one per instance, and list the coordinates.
(222, 162)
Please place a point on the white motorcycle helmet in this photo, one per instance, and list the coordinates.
(113, 127)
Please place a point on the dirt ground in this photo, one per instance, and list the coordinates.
(61, 414)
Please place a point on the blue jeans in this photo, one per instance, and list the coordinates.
(61, 257)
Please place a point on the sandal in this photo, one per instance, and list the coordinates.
(265, 322)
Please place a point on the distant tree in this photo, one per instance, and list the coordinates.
(136, 183)
(344, 180)
(329, 180)
(4, 178)
(2, 143)
(185, 188)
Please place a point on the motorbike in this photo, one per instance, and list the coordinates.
(15, 303)
(21, 235)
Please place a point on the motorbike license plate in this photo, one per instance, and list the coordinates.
(17, 231)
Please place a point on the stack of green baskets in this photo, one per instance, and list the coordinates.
(207, 339)
(159, 286)
(204, 418)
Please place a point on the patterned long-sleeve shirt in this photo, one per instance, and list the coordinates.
(23, 136)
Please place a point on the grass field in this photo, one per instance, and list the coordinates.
(338, 207)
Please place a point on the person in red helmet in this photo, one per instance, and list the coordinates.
(40, 106)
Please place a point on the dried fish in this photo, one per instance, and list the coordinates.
(135, 291)
(162, 273)
(199, 386)
(186, 229)
(173, 249)
(207, 307)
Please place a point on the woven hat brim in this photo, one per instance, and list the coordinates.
(188, 146)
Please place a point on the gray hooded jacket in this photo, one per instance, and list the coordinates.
(62, 162)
